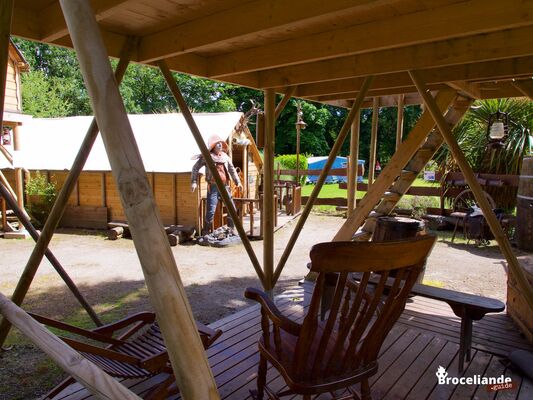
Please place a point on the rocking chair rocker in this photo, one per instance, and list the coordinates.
(341, 350)
(139, 351)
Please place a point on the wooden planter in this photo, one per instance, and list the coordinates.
(517, 306)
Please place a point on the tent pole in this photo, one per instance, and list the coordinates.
(174, 89)
(399, 120)
(373, 141)
(167, 294)
(481, 199)
(354, 163)
(43, 240)
(323, 175)
(88, 374)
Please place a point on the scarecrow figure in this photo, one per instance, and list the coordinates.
(225, 169)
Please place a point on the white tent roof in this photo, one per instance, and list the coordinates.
(165, 141)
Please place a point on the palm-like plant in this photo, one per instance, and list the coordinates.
(471, 135)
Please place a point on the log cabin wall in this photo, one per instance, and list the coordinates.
(13, 100)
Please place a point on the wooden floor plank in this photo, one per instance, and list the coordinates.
(495, 369)
(526, 390)
(478, 366)
(510, 394)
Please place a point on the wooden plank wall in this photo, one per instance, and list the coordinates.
(12, 100)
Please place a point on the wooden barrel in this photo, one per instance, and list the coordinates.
(524, 209)
(397, 228)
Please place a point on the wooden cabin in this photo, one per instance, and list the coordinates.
(168, 152)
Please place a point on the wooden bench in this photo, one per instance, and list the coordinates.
(468, 307)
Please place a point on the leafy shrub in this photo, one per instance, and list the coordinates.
(41, 196)
(288, 161)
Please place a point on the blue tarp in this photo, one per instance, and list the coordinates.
(319, 162)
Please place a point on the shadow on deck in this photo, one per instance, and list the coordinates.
(425, 337)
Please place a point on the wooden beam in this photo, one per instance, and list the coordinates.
(88, 374)
(399, 121)
(244, 22)
(437, 23)
(354, 163)
(286, 97)
(394, 167)
(53, 24)
(322, 178)
(174, 89)
(20, 213)
(6, 12)
(373, 141)
(269, 207)
(388, 97)
(492, 46)
(471, 90)
(489, 70)
(167, 294)
(61, 202)
(505, 246)
(525, 86)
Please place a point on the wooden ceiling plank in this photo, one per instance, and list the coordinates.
(525, 86)
(439, 23)
(490, 70)
(245, 20)
(53, 24)
(25, 22)
(374, 93)
(471, 90)
(485, 47)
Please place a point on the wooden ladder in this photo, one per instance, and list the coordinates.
(434, 141)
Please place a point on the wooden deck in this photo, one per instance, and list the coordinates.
(425, 337)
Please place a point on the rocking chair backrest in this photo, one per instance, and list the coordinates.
(362, 312)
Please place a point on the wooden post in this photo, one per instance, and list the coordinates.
(324, 174)
(6, 12)
(19, 182)
(167, 294)
(4, 216)
(71, 183)
(269, 206)
(481, 199)
(399, 121)
(373, 141)
(286, 97)
(89, 375)
(210, 165)
(354, 163)
(394, 168)
(24, 219)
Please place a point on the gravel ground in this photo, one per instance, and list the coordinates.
(109, 275)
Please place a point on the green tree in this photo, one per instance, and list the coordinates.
(43, 97)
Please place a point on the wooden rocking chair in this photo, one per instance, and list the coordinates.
(334, 353)
(137, 352)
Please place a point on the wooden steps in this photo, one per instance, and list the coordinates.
(424, 154)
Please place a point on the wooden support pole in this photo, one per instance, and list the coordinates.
(6, 12)
(269, 206)
(525, 86)
(167, 294)
(88, 374)
(324, 174)
(394, 168)
(481, 199)
(20, 214)
(354, 163)
(399, 121)
(174, 89)
(19, 181)
(71, 183)
(373, 141)
(286, 97)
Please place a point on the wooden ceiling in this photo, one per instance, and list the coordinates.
(484, 48)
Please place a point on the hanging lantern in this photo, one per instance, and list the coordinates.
(300, 123)
(497, 129)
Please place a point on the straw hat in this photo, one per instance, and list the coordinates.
(213, 140)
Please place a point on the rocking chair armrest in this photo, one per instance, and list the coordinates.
(109, 329)
(272, 311)
(156, 362)
(90, 334)
(207, 334)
